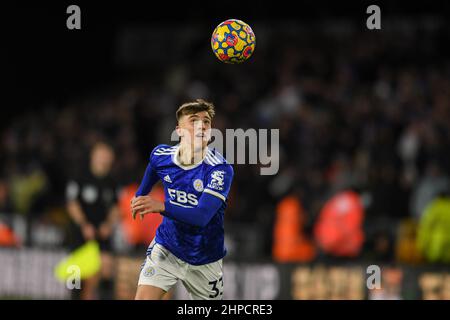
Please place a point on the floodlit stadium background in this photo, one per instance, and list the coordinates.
(355, 108)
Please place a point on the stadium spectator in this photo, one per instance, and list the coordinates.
(290, 243)
(433, 239)
(338, 229)
(429, 186)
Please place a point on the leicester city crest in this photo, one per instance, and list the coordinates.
(198, 185)
(149, 271)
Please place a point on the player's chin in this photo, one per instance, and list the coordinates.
(201, 141)
(205, 143)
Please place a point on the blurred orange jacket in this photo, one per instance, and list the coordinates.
(289, 242)
(7, 237)
(139, 231)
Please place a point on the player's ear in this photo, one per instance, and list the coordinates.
(179, 131)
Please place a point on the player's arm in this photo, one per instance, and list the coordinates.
(209, 203)
(207, 207)
(214, 195)
(148, 181)
(150, 175)
(199, 216)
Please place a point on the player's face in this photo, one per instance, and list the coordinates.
(195, 129)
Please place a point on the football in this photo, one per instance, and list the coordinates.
(233, 41)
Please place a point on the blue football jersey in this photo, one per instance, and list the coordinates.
(183, 186)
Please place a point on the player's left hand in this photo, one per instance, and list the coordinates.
(144, 205)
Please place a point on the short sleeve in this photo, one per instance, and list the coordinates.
(72, 190)
(219, 181)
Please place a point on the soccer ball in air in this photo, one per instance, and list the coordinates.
(233, 41)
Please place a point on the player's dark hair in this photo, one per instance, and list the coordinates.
(193, 107)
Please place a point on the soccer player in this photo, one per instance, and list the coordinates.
(189, 243)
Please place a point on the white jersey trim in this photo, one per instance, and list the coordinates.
(165, 151)
(214, 193)
(179, 204)
(215, 159)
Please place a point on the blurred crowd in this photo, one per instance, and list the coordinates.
(357, 110)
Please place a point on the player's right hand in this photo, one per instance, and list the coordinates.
(133, 211)
(144, 205)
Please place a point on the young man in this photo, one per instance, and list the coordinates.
(189, 243)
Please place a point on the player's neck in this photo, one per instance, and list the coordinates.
(187, 155)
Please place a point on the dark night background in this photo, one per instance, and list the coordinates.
(49, 61)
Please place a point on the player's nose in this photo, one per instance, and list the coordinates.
(201, 126)
(198, 124)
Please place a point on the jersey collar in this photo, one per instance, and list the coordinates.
(177, 162)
